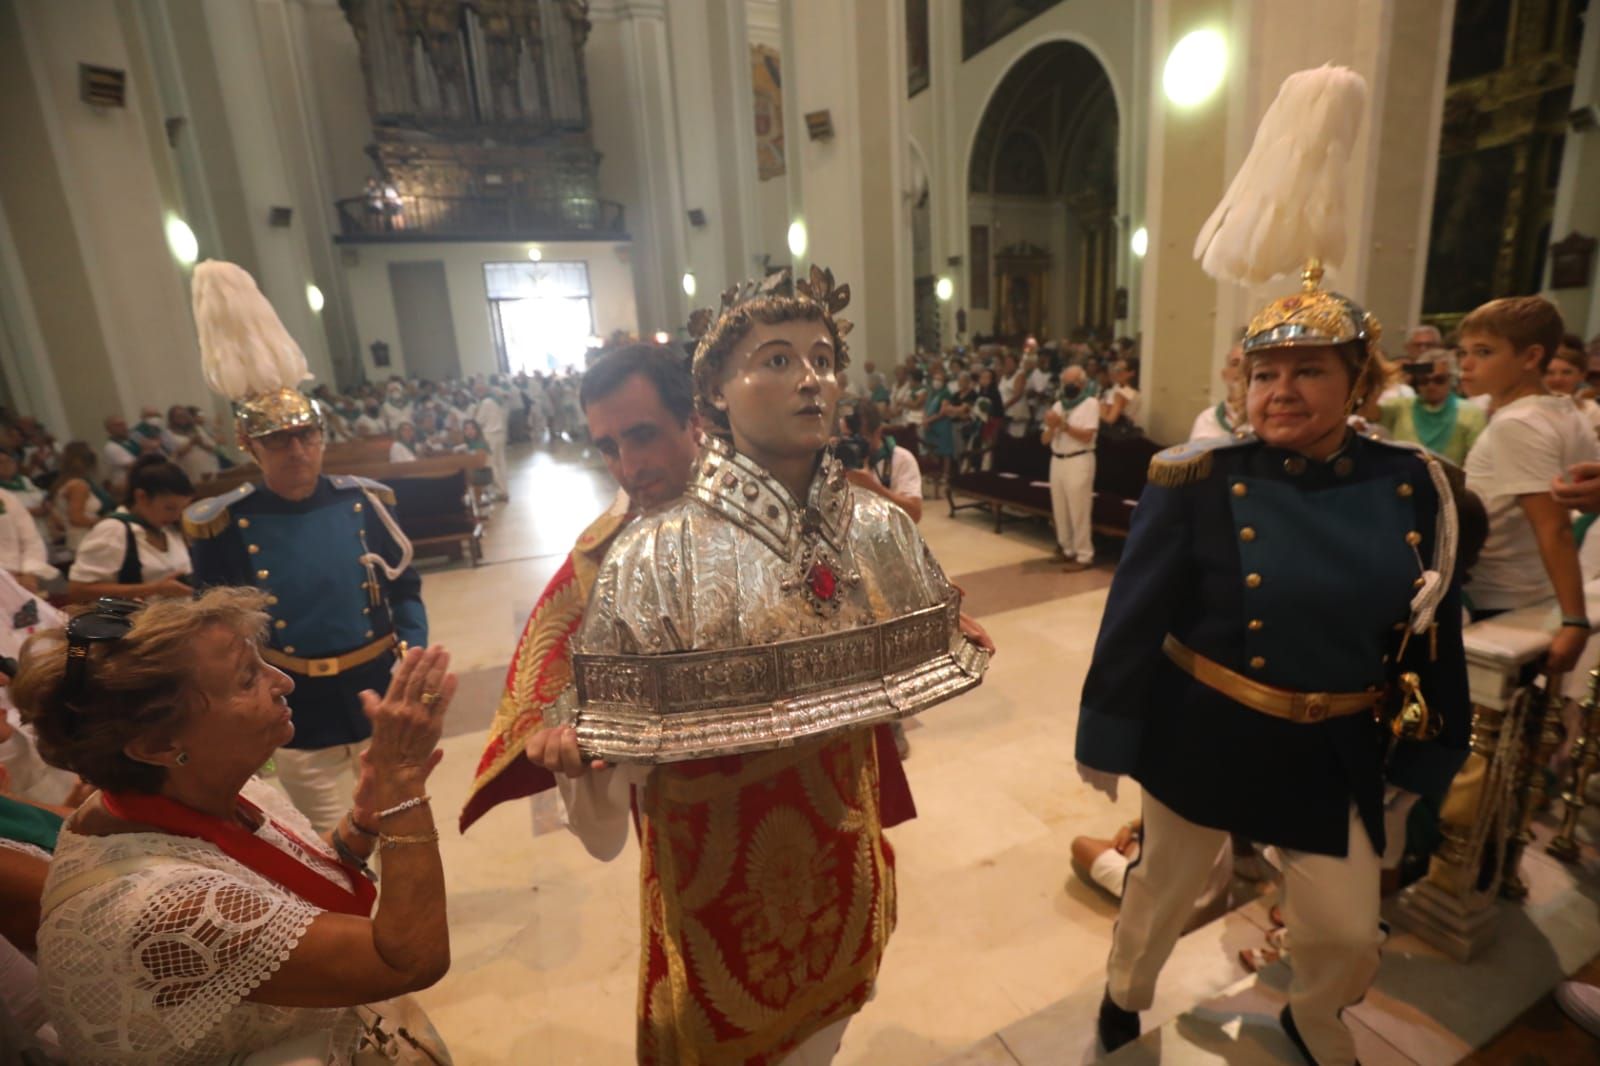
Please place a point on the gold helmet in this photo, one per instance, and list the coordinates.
(1313, 316)
(246, 354)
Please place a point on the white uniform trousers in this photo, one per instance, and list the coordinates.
(497, 460)
(1072, 500)
(1330, 906)
(321, 781)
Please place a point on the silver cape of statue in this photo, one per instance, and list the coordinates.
(736, 619)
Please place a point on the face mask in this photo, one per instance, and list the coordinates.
(1071, 392)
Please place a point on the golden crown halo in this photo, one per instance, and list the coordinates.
(819, 288)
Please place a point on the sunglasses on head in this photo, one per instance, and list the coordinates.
(109, 619)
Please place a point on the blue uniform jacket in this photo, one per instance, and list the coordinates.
(1291, 572)
(323, 601)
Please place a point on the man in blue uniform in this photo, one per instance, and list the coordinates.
(342, 593)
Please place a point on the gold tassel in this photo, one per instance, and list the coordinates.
(1175, 471)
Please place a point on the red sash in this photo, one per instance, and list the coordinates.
(245, 847)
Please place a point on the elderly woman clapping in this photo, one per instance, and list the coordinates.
(191, 914)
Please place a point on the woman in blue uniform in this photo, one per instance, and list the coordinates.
(1294, 590)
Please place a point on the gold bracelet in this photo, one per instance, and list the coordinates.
(385, 841)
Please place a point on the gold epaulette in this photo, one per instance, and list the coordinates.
(206, 518)
(1186, 464)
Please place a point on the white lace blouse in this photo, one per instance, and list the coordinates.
(152, 965)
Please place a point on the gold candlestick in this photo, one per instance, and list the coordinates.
(1585, 758)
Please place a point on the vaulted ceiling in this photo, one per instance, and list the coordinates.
(1050, 129)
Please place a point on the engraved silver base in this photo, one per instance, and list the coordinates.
(695, 705)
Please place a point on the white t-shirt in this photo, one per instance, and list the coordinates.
(1526, 445)
(22, 550)
(905, 476)
(1207, 426)
(1016, 413)
(490, 416)
(399, 453)
(1130, 405)
(1043, 382)
(1084, 416)
(100, 556)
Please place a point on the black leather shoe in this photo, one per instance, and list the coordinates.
(1286, 1020)
(1116, 1026)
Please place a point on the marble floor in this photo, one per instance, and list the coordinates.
(993, 929)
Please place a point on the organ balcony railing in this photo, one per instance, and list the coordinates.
(398, 218)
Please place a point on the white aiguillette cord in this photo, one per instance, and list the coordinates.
(373, 558)
(1436, 580)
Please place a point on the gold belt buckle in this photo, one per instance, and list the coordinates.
(322, 667)
(1316, 706)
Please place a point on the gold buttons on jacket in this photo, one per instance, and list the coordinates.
(1413, 538)
(1241, 489)
(1403, 489)
(358, 507)
(1294, 466)
(261, 575)
(1418, 583)
(281, 624)
(1252, 581)
(1247, 534)
(289, 650)
(1257, 662)
(1343, 465)
(1256, 625)
(369, 634)
(244, 523)
(272, 601)
(253, 548)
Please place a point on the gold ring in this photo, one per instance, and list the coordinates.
(429, 699)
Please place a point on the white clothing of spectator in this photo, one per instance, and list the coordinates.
(491, 419)
(368, 424)
(1070, 434)
(399, 453)
(101, 555)
(116, 457)
(1216, 421)
(1041, 386)
(1527, 444)
(31, 777)
(22, 550)
(1014, 402)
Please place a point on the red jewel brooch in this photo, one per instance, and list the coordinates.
(822, 581)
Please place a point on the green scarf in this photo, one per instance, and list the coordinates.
(1434, 428)
(1222, 418)
(28, 824)
(131, 445)
(1068, 405)
(16, 484)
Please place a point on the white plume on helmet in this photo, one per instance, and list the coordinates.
(1287, 203)
(244, 349)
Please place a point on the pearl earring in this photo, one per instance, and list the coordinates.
(183, 758)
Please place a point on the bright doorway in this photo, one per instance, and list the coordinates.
(542, 313)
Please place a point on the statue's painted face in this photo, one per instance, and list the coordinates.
(780, 390)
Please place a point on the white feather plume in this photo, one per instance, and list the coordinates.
(244, 349)
(1287, 203)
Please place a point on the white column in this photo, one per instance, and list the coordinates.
(635, 121)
